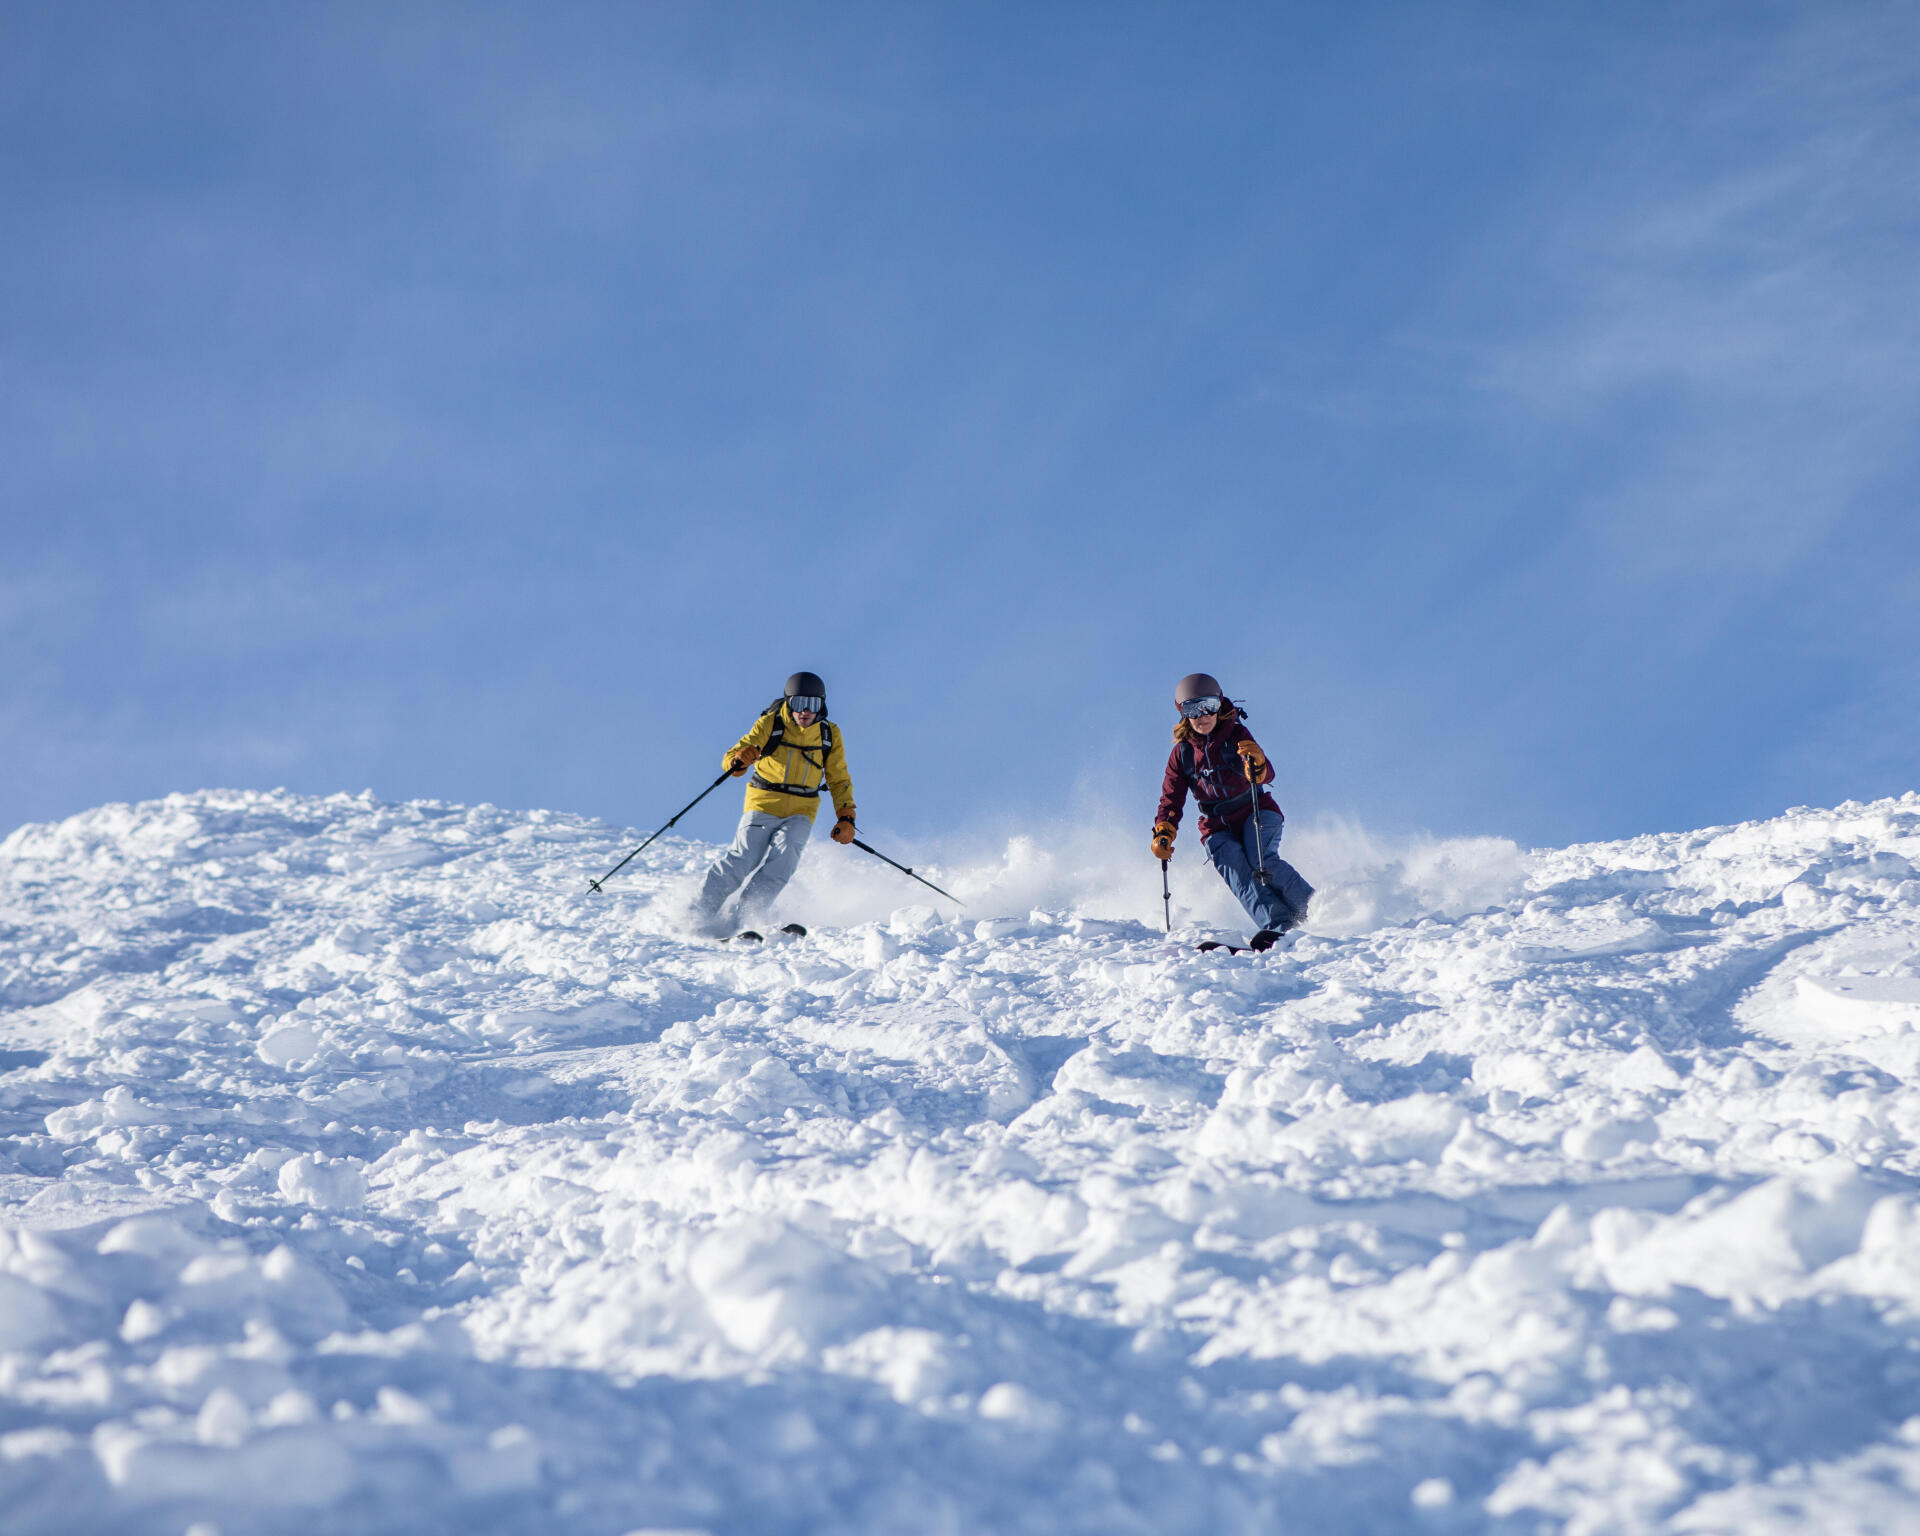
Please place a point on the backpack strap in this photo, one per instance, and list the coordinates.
(776, 738)
(1213, 807)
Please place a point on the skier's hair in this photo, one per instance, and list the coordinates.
(1182, 731)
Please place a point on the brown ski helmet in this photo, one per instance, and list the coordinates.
(1197, 685)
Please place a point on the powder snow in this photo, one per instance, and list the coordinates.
(360, 1170)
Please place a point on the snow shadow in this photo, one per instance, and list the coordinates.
(1809, 1382)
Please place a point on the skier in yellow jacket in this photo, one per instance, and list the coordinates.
(790, 755)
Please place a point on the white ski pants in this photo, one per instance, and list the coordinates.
(767, 848)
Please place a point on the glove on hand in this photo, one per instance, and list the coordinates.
(744, 759)
(1256, 760)
(843, 828)
(1162, 845)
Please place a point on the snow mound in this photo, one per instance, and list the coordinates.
(361, 1170)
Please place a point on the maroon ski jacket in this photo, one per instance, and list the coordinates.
(1209, 766)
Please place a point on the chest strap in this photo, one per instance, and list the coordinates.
(777, 740)
(1189, 764)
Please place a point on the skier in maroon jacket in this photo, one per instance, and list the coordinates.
(1216, 757)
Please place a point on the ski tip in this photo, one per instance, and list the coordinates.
(796, 929)
(744, 936)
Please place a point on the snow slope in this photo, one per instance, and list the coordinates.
(360, 1171)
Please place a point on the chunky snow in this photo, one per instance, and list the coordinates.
(360, 1170)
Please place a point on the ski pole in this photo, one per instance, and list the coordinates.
(1259, 841)
(905, 871)
(677, 815)
(1166, 895)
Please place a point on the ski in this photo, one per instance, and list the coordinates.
(751, 936)
(1252, 947)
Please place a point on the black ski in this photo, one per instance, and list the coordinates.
(749, 936)
(1251, 947)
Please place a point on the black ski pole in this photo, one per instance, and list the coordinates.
(677, 815)
(905, 871)
(1166, 896)
(1259, 842)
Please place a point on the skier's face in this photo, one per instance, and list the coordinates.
(1204, 724)
(803, 716)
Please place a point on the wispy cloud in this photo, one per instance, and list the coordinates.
(1747, 297)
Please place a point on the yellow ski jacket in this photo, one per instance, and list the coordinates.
(795, 765)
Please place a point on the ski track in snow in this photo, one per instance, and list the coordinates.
(360, 1171)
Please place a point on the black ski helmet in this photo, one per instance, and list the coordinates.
(806, 685)
(1197, 685)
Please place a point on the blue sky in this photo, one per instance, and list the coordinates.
(1515, 404)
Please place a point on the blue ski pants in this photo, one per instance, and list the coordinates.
(765, 848)
(1281, 903)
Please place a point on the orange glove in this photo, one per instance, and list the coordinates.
(843, 828)
(744, 759)
(1162, 845)
(1256, 761)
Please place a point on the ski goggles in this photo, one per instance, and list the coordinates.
(806, 703)
(1194, 708)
